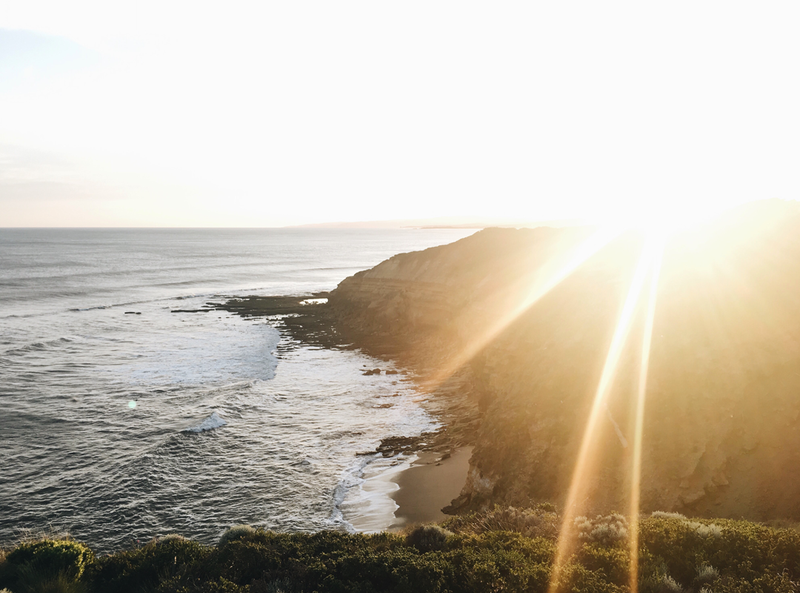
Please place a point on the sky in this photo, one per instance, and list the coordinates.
(280, 113)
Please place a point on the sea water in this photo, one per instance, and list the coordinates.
(121, 420)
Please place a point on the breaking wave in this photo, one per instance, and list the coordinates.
(210, 423)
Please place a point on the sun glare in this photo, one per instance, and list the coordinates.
(649, 265)
(636, 467)
(656, 226)
(661, 220)
(551, 274)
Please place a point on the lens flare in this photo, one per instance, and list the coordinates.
(636, 468)
(581, 475)
(545, 279)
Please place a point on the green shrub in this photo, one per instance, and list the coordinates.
(31, 581)
(499, 562)
(739, 552)
(706, 574)
(613, 562)
(244, 560)
(575, 578)
(46, 565)
(234, 533)
(144, 568)
(171, 537)
(605, 529)
(427, 538)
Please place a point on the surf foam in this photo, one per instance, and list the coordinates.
(210, 423)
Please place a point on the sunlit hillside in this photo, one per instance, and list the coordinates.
(569, 345)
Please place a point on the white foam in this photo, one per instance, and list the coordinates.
(314, 301)
(367, 505)
(210, 423)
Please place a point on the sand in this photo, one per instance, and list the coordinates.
(428, 485)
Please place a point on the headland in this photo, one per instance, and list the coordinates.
(510, 329)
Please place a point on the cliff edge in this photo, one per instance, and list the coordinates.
(530, 315)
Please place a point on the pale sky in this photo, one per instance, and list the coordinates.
(277, 113)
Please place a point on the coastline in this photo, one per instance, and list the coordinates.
(416, 476)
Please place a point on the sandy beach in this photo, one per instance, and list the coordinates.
(428, 485)
(408, 491)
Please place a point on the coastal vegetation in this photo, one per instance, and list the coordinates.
(504, 549)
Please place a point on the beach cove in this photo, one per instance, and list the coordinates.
(109, 379)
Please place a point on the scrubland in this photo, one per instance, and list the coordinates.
(505, 549)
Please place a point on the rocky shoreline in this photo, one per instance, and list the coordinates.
(313, 320)
(722, 422)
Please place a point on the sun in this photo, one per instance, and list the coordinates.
(660, 220)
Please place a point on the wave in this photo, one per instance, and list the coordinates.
(210, 423)
(37, 346)
(351, 477)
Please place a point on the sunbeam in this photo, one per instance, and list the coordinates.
(636, 468)
(550, 275)
(650, 253)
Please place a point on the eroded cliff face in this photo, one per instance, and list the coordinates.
(722, 417)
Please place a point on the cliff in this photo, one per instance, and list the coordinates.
(529, 314)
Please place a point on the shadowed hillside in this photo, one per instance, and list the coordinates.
(721, 431)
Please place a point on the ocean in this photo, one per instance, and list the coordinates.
(121, 420)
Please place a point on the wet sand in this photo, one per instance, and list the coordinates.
(429, 485)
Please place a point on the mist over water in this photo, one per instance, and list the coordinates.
(101, 384)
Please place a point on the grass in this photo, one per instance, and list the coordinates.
(498, 550)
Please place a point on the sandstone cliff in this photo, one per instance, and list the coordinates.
(722, 421)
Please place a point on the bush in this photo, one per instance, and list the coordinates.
(31, 581)
(540, 521)
(575, 578)
(666, 515)
(53, 565)
(705, 529)
(234, 533)
(706, 574)
(144, 568)
(669, 585)
(427, 538)
(608, 529)
(614, 562)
